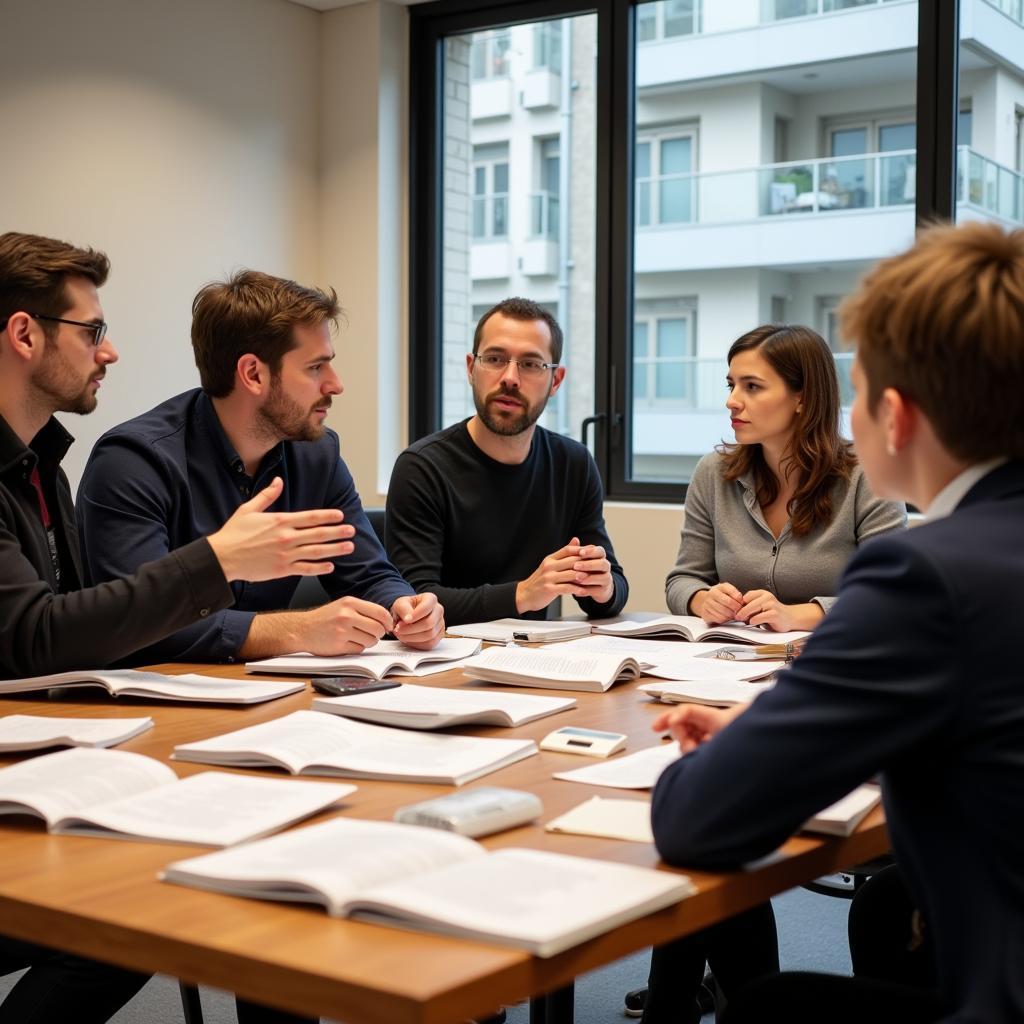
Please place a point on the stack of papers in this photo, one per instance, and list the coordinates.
(692, 627)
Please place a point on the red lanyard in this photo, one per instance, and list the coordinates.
(44, 512)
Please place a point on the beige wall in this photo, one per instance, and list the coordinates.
(179, 137)
(190, 138)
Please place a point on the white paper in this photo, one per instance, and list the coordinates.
(607, 819)
(634, 771)
(842, 817)
(522, 666)
(695, 627)
(32, 732)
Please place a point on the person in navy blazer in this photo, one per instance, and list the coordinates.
(913, 674)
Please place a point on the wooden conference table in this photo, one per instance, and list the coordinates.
(101, 898)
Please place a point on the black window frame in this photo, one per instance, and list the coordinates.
(430, 24)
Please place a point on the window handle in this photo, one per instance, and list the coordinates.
(586, 424)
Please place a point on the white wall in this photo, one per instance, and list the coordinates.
(182, 140)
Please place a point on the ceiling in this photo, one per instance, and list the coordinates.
(330, 5)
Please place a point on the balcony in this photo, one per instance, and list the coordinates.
(830, 33)
(780, 214)
(776, 215)
(490, 255)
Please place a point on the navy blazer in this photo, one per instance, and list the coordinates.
(913, 674)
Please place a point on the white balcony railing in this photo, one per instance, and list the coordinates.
(1013, 9)
(988, 186)
(873, 181)
(704, 386)
(780, 10)
(797, 187)
(490, 217)
(544, 215)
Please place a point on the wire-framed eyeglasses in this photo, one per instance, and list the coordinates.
(494, 363)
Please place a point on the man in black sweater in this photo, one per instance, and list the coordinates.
(496, 516)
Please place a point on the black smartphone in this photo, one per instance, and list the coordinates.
(346, 686)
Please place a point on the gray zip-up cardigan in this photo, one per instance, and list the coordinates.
(725, 539)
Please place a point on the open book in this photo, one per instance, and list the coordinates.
(120, 795)
(692, 627)
(412, 877)
(36, 732)
(155, 686)
(311, 743)
(717, 693)
(842, 817)
(532, 631)
(551, 669)
(384, 658)
(434, 707)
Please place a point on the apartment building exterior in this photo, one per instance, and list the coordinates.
(774, 162)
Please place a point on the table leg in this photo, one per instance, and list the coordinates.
(554, 1007)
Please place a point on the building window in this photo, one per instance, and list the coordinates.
(665, 182)
(490, 192)
(667, 19)
(828, 326)
(490, 55)
(544, 202)
(664, 364)
(547, 46)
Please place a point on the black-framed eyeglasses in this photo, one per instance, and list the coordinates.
(99, 329)
(527, 367)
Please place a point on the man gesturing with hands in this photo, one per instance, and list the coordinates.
(263, 346)
(495, 515)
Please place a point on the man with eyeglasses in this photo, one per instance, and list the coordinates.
(264, 349)
(54, 354)
(495, 515)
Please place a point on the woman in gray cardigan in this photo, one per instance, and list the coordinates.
(772, 519)
(770, 523)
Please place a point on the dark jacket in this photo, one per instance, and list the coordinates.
(912, 674)
(49, 627)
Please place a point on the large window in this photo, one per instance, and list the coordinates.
(665, 176)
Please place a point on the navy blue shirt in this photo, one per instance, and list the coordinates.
(171, 476)
(912, 674)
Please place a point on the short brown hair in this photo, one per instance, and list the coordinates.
(943, 324)
(516, 308)
(818, 455)
(33, 272)
(251, 312)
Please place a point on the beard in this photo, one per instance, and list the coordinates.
(285, 419)
(504, 423)
(63, 387)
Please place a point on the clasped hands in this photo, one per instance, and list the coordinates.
(579, 570)
(724, 603)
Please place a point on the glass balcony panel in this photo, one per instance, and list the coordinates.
(675, 199)
(898, 179)
(479, 216)
(643, 203)
(670, 380)
(672, 341)
(779, 10)
(500, 216)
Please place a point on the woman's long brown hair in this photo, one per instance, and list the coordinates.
(818, 455)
